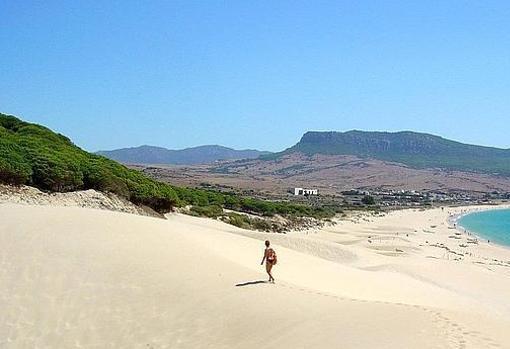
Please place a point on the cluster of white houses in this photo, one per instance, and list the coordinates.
(305, 192)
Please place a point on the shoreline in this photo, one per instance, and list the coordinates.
(477, 209)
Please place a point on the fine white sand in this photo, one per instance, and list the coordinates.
(78, 277)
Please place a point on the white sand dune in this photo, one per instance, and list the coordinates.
(76, 277)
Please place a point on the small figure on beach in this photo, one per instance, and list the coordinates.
(270, 258)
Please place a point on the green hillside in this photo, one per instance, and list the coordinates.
(34, 155)
(418, 150)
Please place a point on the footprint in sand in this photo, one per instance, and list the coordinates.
(456, 334)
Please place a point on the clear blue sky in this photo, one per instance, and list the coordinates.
(256, 74)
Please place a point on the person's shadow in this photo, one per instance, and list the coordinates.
(250, 283)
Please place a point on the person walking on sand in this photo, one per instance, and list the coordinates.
(270, 258)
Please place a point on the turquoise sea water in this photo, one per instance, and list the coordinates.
(493, 225)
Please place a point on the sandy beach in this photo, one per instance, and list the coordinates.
(86, 278)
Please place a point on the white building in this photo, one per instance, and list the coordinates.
(301, 191)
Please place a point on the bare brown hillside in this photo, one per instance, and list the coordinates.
(330, 173)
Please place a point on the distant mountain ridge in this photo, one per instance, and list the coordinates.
(419, 150)
(146, 154)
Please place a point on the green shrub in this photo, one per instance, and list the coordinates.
(211, 211)
(245, 222)
(14, 167)
(368, 200)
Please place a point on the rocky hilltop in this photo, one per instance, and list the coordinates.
(418, 150)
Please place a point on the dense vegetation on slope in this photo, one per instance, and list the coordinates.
(410, 148)
(34, 155)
